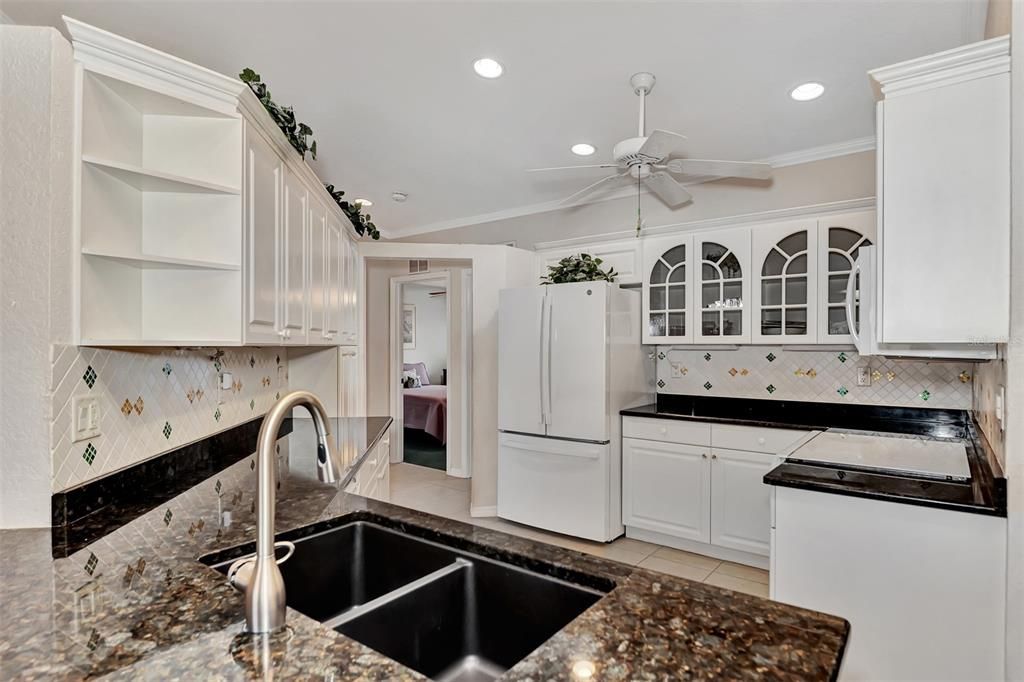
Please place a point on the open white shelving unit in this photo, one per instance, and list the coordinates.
(159, 183)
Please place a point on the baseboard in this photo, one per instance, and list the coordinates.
(483, 511)
(713, 551)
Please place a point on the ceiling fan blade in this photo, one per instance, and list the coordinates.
(723, 169)
(589, 188)
(667, 189)
(596, 165)
(661, 144)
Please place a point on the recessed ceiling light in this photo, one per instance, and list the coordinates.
(366, 203)
(488, 68)
(582, 149)
(807, 92)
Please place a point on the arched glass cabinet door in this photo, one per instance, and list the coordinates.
(721, 286)
(665, 296)
(785, 289)
(840, 238)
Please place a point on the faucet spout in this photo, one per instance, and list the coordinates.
(264, 592)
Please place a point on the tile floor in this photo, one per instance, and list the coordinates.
(432, 491)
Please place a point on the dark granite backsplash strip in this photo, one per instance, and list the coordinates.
(822, 415)
(93, 509)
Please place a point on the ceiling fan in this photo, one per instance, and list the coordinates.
(648, 159)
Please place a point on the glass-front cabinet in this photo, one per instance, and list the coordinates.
(724, 286)
(778, 283)
(666, 305)
(785, 259)
(839, 240)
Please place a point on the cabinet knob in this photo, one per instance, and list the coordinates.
(714, 456)
(704, 455)
(664, 430)
(760, 441)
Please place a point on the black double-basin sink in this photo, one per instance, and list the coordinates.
(445, 612)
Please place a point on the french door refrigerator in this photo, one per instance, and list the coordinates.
(569, 358)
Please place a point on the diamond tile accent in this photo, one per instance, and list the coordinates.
(94, 640)
(707, 385)
(167, 369)
(811, 375)
(168, 515)
(90, 454)
(216, 415)
(89, 377)
(733, 371)
(925, 394)
(661, 383)
(126, 407)
(167, 430)
(661, 355)
(842, 357)
(964, 377)
(252, 361)
(252, 404)
(91, 562)
(707, 357)
(770, 388)
(218, 487)
(842, 390)
(140, 405)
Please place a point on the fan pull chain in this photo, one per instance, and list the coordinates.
(638, 223)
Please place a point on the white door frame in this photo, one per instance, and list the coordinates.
(457, 463)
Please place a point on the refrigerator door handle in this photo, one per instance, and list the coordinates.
(541, 350)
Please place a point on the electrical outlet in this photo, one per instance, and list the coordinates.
(1000, 400)
(85, 411)
(864, 375)
(676, 370)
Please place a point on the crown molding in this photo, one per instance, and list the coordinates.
(112, 55)
(967, 62)
(828, 151)
(769, 216)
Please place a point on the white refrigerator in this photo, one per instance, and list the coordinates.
(569, 358)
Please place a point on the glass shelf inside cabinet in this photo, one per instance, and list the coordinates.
(784, 287)
(721, 292)
(666, 303)
(843, 246)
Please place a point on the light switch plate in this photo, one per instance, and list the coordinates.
(85, 412)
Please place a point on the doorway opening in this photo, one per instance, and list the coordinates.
(424, 382)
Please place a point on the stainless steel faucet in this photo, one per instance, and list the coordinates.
(264, 588)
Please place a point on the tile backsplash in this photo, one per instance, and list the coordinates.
(153, 401)
(780, 373)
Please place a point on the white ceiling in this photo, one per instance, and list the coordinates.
(389, 90)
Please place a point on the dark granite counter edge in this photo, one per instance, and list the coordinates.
(988, 487)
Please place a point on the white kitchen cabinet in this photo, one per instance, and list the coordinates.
(784, 300)
(263, 173)
(373, 479)
(665, 488)
(351, 288)
(350, 403)
(740, 501)
(840, 238)
(667, 300)
(943, 154)
(294, 287)
(317, 266)
(333, 295)
(721, 286)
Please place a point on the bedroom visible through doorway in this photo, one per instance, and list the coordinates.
(425, 359)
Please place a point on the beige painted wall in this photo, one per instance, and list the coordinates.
(840, 178)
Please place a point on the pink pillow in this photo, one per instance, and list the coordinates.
(421, 371)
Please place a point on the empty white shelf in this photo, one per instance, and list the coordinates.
(148, 180)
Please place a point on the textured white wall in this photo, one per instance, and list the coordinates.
(431, 329)
(36, 93)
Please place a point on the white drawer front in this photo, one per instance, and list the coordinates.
(668, 430)
(755, 438)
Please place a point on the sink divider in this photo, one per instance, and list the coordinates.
(357, 611)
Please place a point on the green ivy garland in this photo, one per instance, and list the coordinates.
(298, 135)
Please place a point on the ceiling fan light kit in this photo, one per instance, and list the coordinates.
(649, 159)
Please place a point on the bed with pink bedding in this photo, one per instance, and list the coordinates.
(426, 409)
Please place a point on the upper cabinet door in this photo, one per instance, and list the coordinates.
(721, 286)
(785, 286)
(667, 296)
(262, 211)
(350, 291)
(317, 264)
(293, 281)
(333, 300)
(839, 240)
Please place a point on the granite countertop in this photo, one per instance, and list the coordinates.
(136, 603)
(985, 493)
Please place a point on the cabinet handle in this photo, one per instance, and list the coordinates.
(704, 455)
(714, 456)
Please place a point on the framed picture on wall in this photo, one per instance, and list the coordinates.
(408, 326)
